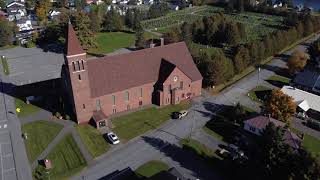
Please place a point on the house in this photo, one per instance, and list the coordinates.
(307, 102)
(308, 80)
(24, 24)
(16, 10)
(162, 75)
(257, 124)
(54, 13)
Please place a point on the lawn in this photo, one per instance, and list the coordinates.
(137, 123)
(40, 134)
(259, 93)
(310, 143)
(25, 109)
(110, 41)
(5, 65)
(93, 140)
(198, 148)
(151, 168)
(278, 81)
(66, 160)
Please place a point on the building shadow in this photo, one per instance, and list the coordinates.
(278, 70)
(200, 166)
(278, 84)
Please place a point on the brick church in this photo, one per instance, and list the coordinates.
(100, 87)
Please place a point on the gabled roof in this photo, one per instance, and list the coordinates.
(73, 44)
(260, 122)
(111, 74)
(15, 4)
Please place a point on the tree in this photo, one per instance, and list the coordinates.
(6, 32)
(232, 34)
(241, 59)
(112, 21)
(314, 51)
(42, 8)
(140, 37)
(157, 10)
(297, 61)
(81, 24)
(95, 24)
(80, 4)
(281, 106)
(238, 113)
(172, 36)
(2, 4)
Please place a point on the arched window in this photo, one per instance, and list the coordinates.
(73, 66)
(78, 66)
(82, 63)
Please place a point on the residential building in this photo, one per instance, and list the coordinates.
(307, 102)
(16, 10)
(308, 80)
(100, 87)
(257, 125)
(24, 24)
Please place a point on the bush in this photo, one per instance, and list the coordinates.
(30, 44)
(57, 114)
(67, 117)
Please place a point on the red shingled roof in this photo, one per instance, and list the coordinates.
(73, 44)
(116, 73)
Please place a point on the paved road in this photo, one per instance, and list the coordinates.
(163, 142)
(13, 158)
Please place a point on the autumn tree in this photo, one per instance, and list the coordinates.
(297, 61)
(42, 8)
(281, 106)
(6, 32)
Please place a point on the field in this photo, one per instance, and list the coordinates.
(93, 140)
(40, 134)
(136, 123)
(66, 160)
(110, 41)
(257, 24)
(25, 109)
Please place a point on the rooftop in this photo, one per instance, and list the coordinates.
(299, 96)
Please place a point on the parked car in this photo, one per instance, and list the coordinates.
(313, 124)
(113, 138)
(179, 115)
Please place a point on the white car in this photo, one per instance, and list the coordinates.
(183, 114)
(113, 138)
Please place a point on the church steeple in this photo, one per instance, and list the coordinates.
(73, 44)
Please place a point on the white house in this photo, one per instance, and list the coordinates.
(53, 14)
(24, 24)
(16, 10)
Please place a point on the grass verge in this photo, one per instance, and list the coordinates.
(93, 140)
(25, 109)
(136, 123)
(66, 160)
(40, 134)
(259, 93)
(5, 66)
(151, 168)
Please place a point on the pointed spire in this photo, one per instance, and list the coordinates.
(73, 44)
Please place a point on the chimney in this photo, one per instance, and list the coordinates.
(161, 41)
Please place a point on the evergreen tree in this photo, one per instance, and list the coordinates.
(140, 38)
(81, 24)
(241, 59)
(112, 21)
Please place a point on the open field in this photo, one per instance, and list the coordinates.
(93, 140)
(136, 123)
(40, 134)
(257, 24)
(110, 41)
(151, 168)
(66, 160)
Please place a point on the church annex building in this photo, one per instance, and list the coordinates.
(100, 87)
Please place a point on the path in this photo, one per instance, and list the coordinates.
(69, 128)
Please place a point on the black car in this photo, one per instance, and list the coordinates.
(175, 115)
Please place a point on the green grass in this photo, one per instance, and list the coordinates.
(66, 160)
(110, 41)
(137, 123)
(311, 143)
(25, 109)
(151, 168)
(93, 140)
(278, 80)
(40, 134)
(259, 93)
(212, 133)
(5, 66)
